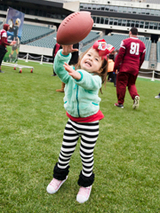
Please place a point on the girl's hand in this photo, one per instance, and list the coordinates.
(72, 72)
(68, 49)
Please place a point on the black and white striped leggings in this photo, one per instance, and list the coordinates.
(89, 133)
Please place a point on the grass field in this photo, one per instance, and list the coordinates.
(127, 153)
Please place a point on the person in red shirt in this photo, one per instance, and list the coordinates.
(4, 42)
(128, 62)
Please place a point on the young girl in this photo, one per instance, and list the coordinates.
(81, 102)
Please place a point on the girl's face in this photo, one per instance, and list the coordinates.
(91, 61)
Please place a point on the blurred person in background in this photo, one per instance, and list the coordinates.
(157, 96)
(111, 73)
(55, 50)
(73, 61)
(128, 62)
(4, 43)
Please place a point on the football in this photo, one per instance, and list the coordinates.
(74, 28)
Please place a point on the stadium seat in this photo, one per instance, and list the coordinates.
(47, 41)
(33, 32)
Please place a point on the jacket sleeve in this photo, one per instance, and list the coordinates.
(89, 81)
(119, 58)
(53, 52)
(58, 66)
(4, 41)
(142, 57)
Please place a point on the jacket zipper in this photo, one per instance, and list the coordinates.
(77, 102)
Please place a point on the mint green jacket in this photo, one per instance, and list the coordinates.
(81, 96)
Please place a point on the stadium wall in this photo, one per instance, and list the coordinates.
(158, 66)
(145, 65)
(36, 50)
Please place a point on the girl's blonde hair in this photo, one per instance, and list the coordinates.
(103, 70)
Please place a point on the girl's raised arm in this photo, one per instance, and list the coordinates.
(68, 49)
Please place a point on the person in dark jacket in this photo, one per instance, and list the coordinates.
(55, 50)
(73, 61)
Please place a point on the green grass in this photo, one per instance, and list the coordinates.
(127, 153)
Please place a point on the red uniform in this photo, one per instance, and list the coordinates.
(3, 42)
(3, 38)
(128, 62)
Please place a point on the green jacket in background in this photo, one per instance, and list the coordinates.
(81, 97)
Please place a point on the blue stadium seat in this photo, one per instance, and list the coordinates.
(48, 41)
(33, 32)
(91, 37)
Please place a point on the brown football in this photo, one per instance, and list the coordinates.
(74, 28)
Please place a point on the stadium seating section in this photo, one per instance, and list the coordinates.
(115, 40)
(44, 37)
(48, 41)
(91, 37)
(34, 32)
(41, 36)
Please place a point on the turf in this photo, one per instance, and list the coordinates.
(126, 156)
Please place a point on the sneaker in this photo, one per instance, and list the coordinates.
(54, 185)
(83, 194)
(1, 71)
(136, 102)
(119, 105)
(157, 96)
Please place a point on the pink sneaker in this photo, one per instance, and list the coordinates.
(83, 194)
(54, 185)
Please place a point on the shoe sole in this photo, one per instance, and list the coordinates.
(119, 106)
(85, 199)
(136, 102)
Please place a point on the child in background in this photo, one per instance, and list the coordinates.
(157, 96)
(81, 102)
(55, 50)
(73, 61)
